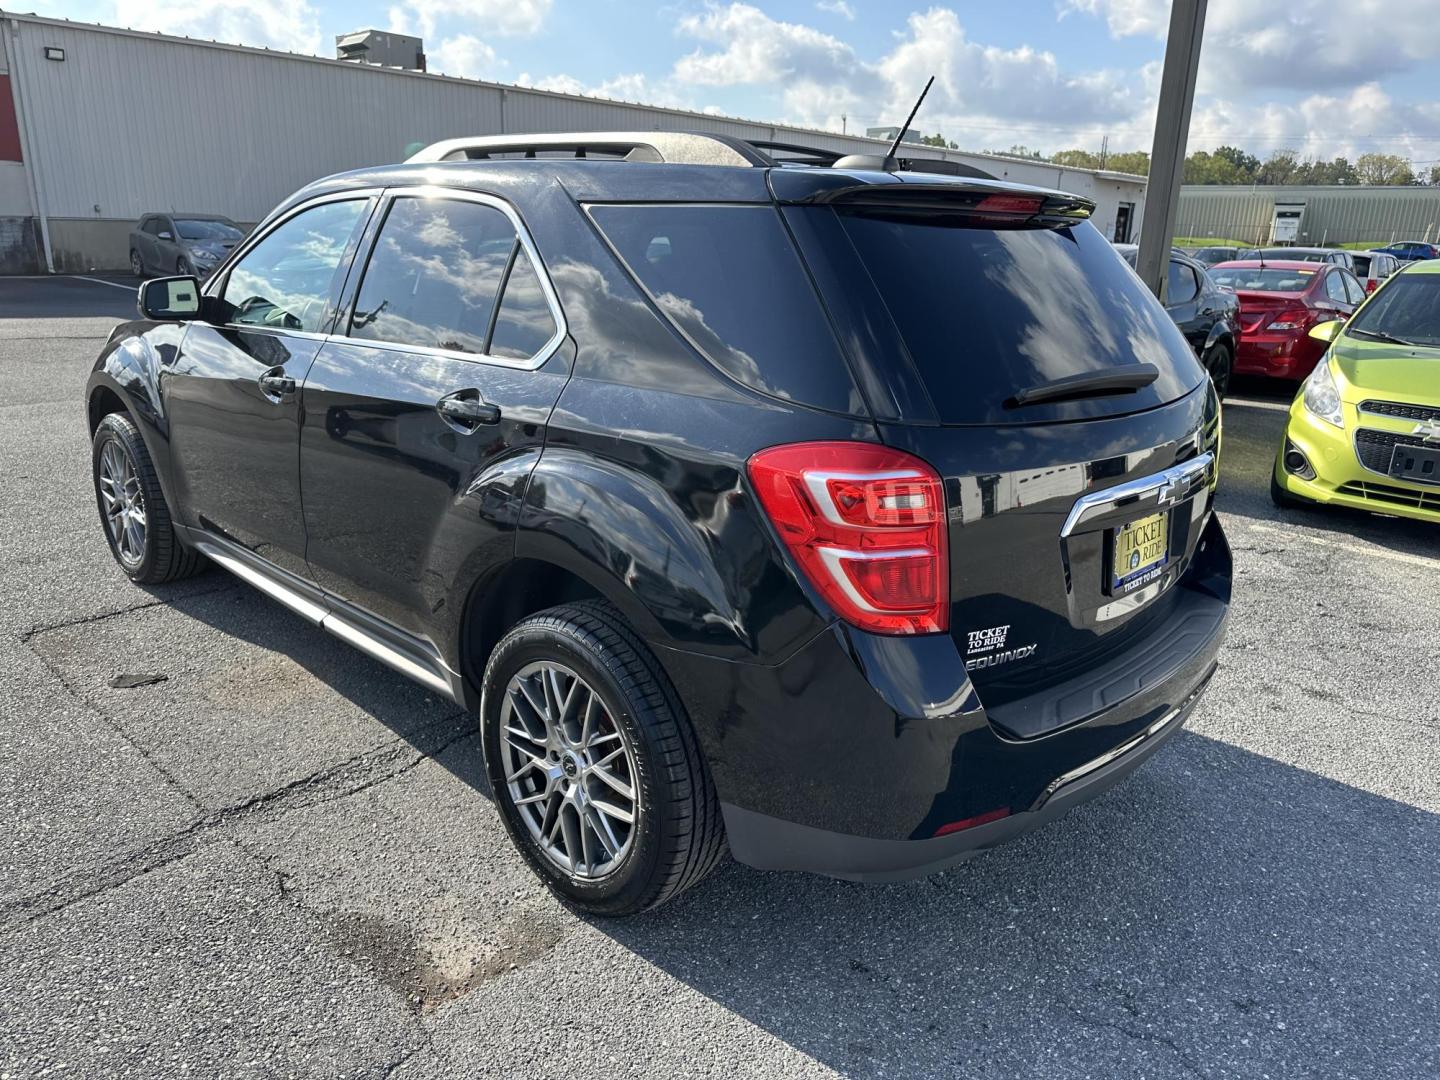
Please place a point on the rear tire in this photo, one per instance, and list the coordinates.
(132, 507)
(546, 784)
(1220, 363)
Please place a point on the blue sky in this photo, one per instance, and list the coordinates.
(1316, 76)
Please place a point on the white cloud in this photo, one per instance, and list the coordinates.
(836, 7)
(1305, 44)
(504, 18)
(819, 77)
(292, 25)
(1323, 125)
(464, 55)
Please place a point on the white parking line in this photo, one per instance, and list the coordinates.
(1428, 561)
(1251, 403)
(102, 281)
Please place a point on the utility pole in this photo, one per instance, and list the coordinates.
(1104, 150)
(844, 124)
(1172, 132)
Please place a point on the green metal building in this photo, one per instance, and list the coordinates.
(1313, 216)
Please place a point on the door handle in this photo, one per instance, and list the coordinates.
(275, 384)
(467, 409)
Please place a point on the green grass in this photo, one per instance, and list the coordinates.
(1220, 241)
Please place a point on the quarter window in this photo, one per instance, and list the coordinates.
(287, 279)
(434, 275)
(524, 324)
(1182, 286)
(1335, 287)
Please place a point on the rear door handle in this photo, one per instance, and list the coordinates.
(275, 384)
(467, 409)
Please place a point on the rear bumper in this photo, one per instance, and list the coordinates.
(1277, 356)
(873, 757)
(768, 843)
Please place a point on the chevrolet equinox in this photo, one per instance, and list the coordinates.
(852, 512)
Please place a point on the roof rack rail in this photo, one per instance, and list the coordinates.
(794, 153)
(676, 147)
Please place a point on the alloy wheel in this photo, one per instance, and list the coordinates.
(569, 770)
(123, 502)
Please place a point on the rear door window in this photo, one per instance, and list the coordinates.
(729, 279)
(986, 312)
(434, 275)
(1335, 287)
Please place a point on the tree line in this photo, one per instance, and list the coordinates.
(1231, 165)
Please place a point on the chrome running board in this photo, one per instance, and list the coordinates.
(434, 677)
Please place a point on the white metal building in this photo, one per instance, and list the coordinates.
(100, 125)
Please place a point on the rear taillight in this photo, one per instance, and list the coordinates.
(867, 525)
(1292, 319)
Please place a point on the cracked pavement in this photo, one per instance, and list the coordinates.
(259, 853)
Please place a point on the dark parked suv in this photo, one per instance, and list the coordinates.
(858, 514)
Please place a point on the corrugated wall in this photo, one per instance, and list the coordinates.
(130, 123)
(1333, 215)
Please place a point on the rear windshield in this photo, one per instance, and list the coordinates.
(728, 277)
(1288, 254)
(986, 312)
(1407, 308)
(1243, 279)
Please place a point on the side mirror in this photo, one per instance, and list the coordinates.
(169, 299)
(1327, 331)
(163, 236)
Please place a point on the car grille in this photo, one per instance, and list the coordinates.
(1404, 412)
(1415, 500)
(1375, 448)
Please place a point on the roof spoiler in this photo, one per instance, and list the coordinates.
(1012, 204)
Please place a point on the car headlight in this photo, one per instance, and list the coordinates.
(1322, 396)
(201, 255)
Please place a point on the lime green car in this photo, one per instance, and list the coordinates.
(1364, 431)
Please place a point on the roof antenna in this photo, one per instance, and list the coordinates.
(906, 126)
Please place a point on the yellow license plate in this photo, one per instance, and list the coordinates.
(1141, 549)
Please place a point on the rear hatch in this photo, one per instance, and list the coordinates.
(985, 335)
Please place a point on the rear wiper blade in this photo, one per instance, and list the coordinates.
(1125, 379)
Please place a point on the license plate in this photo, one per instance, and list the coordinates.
(1418, 463)
(1141, 548)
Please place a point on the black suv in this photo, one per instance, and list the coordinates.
(857, 514)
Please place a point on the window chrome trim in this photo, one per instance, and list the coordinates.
(1169, 487)
(552, 299)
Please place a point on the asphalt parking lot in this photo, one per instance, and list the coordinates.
(236, 847)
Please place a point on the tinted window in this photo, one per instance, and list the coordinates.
(1354, 289)
(1181, 285)
(286, 279)
(434, 274)
(1362, 264)
(986, 312)
(1335, 287)
(1266, 279)
(153, 226)
(203, 229)
(731, 282)
(1407, 308)
(524, 324)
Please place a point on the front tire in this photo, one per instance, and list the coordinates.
(594, 766)
(183, 267)
(1283, 499)
(132, 507)
(1220, 363)
(137, 264)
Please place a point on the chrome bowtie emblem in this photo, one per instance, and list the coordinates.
(1429, 431)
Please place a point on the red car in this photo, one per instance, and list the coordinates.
(1280, 301)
